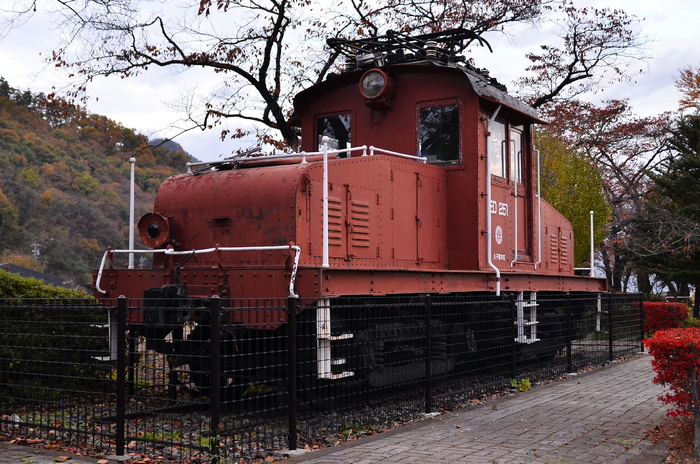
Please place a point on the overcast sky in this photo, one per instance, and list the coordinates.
(142, 103)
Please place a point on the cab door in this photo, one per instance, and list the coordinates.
(510, 199)
(501, 203)
(521, 211)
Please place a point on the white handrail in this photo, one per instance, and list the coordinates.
(303, 155)
(373, 149)
(489, 236)
(325, 239)
(170, 251)
(591, 269)
(539, 212)
(515, 227)
(592, 248)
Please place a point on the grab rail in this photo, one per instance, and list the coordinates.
(240, 159)
(171, 251)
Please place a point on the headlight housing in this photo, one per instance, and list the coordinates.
(377, 88)
(154, 230)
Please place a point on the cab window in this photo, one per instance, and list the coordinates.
(497, 149)
(337, 128)
(516, 154)
(438, 133)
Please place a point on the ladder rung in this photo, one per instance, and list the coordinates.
(335, 337)
(342, 375)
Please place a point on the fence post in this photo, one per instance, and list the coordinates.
(428, 305)
(569, 334)
(214, 378)
(641, 322)
(514, 336)
(610, 327)
(120, 439)
(131, 365)
(292, 370)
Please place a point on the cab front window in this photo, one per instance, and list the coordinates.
(438, 133)
(337, 128)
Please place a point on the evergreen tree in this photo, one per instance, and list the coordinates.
(568, 174)
(680, 179)
(665, 237)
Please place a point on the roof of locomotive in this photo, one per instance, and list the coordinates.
(435, 49)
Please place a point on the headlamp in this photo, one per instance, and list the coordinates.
(377, 88)
(154, 230)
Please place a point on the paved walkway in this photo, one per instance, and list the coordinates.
(13, 454)
(600, 416)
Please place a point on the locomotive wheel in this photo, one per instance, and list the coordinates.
(462, 346)
(195, 351)
(494, 335)
(394, 353)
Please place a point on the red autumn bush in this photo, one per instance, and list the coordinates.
(663, 315)
(676, 359)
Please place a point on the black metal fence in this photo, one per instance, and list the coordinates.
(231, 380)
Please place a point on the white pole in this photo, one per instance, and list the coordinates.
(539, 212)
(132, 161)
(326, 261)
(489, 236)
(592, 274)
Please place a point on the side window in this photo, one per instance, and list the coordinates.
(336, 128)
(438, 133)
(497, 149)
(516, 154)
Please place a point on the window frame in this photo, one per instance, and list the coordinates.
(502, 157)
(515, 168)
(443, 102)
(319, 117)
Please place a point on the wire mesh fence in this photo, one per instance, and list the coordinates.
(226, 380)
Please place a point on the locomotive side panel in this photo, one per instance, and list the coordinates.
(383, 213)
(464, 192)
(557, 242)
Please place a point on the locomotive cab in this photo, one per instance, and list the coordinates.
(479, 210)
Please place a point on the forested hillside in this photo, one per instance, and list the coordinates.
(64, 183)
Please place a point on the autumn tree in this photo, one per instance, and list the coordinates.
(596, 46)
(689, 85)
(64, 180)
(265, 52)
(8, 219)
(623, 147)
(568, 174)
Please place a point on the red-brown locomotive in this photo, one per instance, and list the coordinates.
(417, 175)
